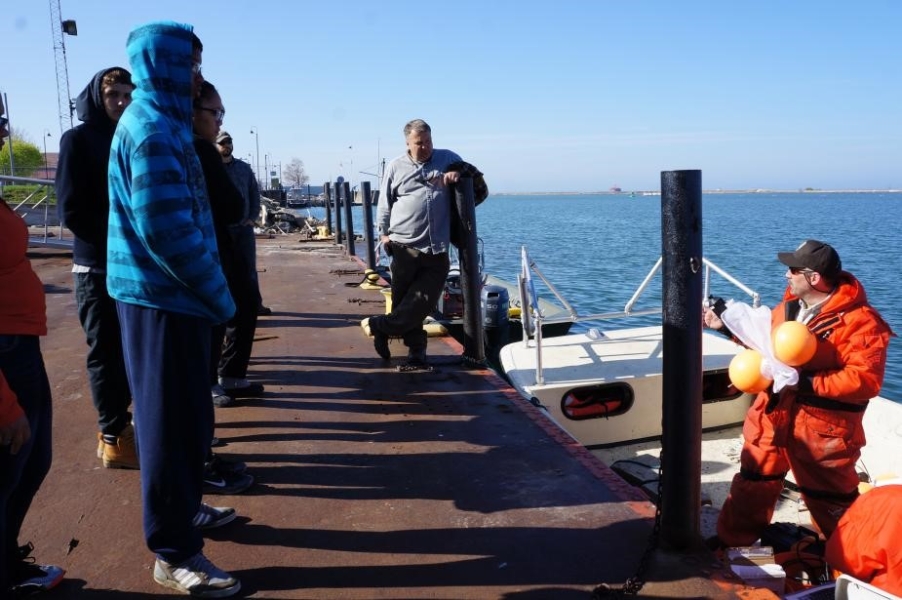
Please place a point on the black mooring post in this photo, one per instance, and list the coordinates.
(368, 226)
(328, 202)
(683, 272)
(470, 285)
(338, 236)
(349, 202)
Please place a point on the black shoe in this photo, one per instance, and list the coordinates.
(263, 311)
(251, 390)
(714, 544)
(219, 481)
(380, 343)
(28, 578)
(225, 465)
(211, 517)
(416, 357)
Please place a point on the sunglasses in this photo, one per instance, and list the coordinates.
(218, 113)
(797, 270)
(3, 121)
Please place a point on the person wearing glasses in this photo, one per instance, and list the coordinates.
(26, 406)
(84, 207)
(813, 428)
(163, 270)
(222, 476)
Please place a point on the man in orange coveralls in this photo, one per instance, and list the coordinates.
(867, 543)
(813, 428)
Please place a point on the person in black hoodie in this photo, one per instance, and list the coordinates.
(223, 476)
(84, 206)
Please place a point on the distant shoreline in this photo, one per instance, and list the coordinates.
(715, 191)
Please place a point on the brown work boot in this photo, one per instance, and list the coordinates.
(99, 445)
(119, 452)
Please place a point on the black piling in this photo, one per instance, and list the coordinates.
(349, 228)
(681, 233)
(338, 236)
(327, 200)
(464, 204)
(368, 226)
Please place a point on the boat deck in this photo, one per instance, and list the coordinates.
(371, 483)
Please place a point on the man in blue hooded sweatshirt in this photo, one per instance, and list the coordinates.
(163, 271)
(84, 207)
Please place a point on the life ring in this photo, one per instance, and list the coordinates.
(596, 401)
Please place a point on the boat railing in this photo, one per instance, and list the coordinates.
(38, 208)
(533, 319)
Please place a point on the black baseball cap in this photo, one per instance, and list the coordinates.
(815, 255)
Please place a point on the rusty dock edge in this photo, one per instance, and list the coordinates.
(371, 483)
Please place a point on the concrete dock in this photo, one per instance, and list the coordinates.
(371, 483)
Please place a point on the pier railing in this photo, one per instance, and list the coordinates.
(533, 319)
(38, 208)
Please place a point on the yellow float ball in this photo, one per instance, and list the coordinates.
(745, 372)
(794, 345)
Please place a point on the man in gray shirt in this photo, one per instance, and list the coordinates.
(414, 226)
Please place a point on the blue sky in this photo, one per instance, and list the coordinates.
(572, 95)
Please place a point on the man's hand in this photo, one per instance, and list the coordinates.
(451, 177)
(15, 434)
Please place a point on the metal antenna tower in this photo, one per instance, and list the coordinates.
(57, 28)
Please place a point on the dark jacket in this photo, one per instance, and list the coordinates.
(81, 176)
(226, 204)
(459, 232)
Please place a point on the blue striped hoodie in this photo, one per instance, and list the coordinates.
(161, 244)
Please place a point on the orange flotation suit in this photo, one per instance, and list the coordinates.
(867, 543)
(814, 428)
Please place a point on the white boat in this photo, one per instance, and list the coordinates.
(604, 388)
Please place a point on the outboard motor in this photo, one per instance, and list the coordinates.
(451, 303)
(495, 302)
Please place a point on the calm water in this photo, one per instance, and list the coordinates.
(596, 249)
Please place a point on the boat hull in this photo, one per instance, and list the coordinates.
(628, 363)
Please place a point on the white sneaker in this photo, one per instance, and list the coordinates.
(196, 576)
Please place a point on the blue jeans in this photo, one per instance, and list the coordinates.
(21, 475)
(105, 363)
(167, 356)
